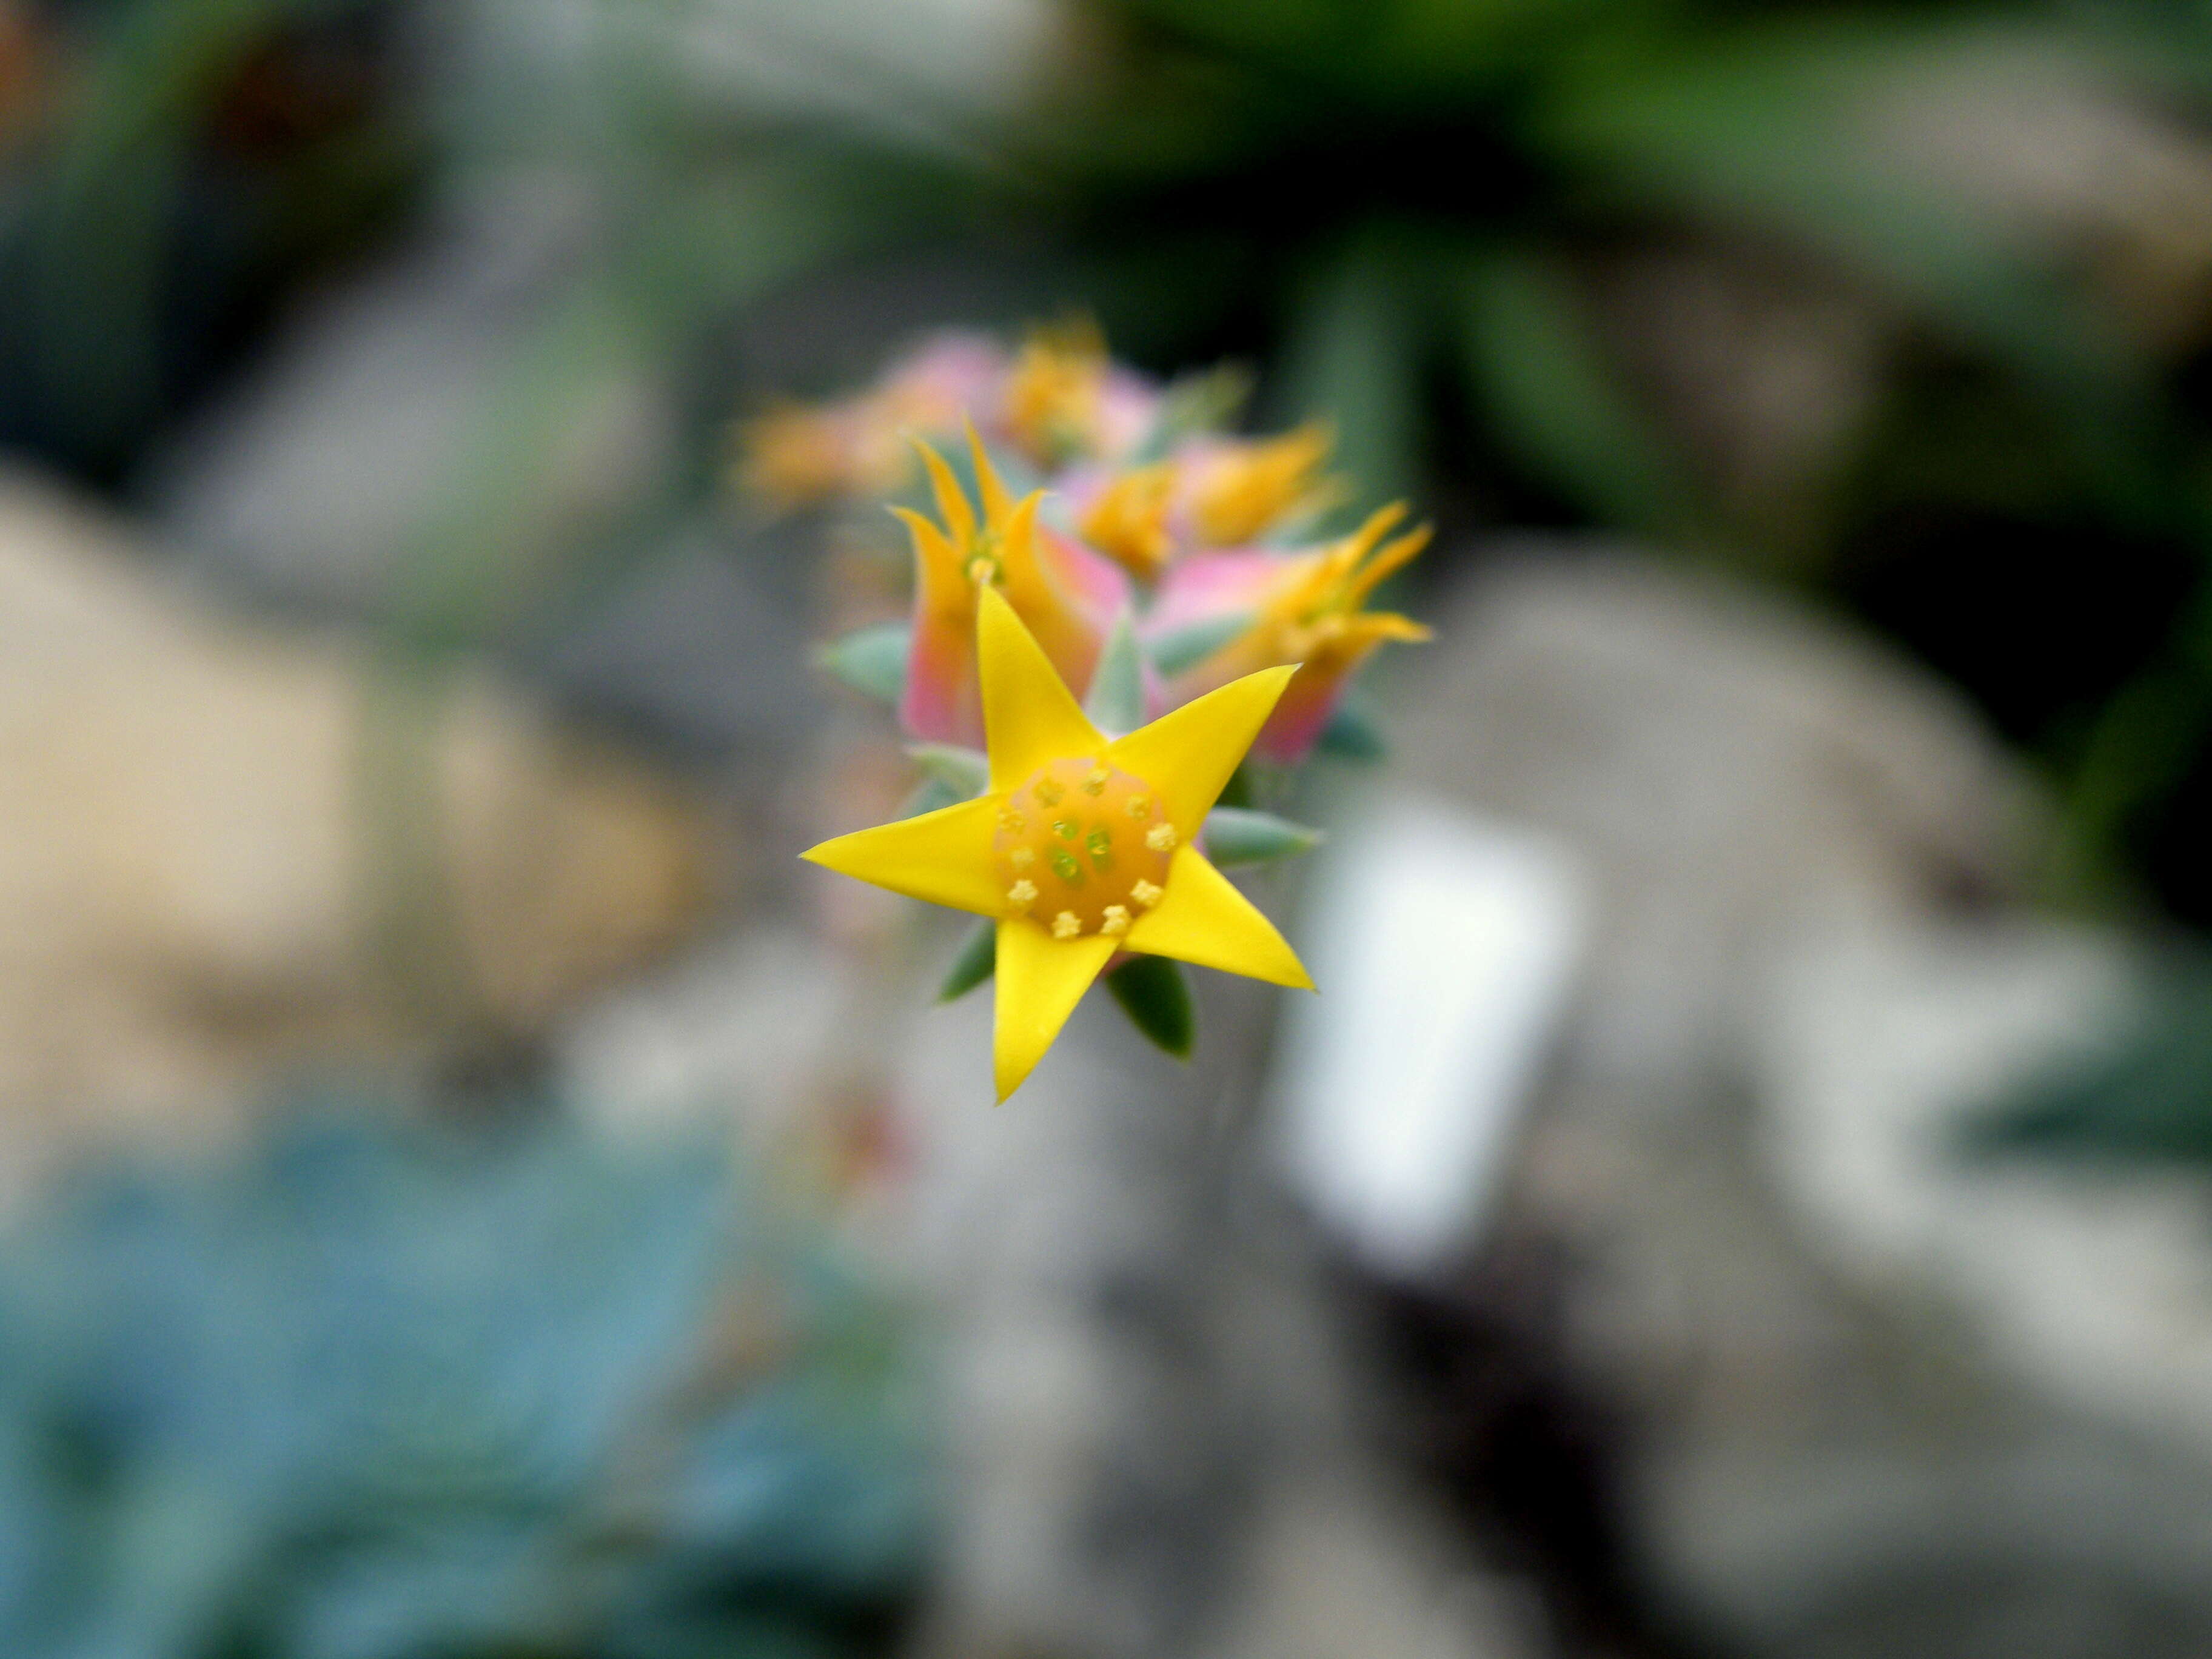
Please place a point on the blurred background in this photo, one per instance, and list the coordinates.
(466, 1192)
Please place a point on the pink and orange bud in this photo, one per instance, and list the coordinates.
(800, 455)
(1066, 400)
(1239, 489)
(1127, 519)
(1065, 594)
(1306, 608)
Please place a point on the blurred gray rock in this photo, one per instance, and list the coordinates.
(320, 483)
(1160, 1436)
(1875, 1406)
(1156, 1431)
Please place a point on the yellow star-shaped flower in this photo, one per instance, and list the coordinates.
(1081, 845)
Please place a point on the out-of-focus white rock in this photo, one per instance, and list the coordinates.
(1448, 946)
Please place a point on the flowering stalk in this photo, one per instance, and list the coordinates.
(1114, 642)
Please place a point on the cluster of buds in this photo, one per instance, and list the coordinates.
(1130, 503)
(1144, 566)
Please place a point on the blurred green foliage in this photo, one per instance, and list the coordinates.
(1410, 214)
(2145, 1097)
(1414, 216)
(374, 1392)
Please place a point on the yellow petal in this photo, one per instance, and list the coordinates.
(1202, 918)
(996, 503)
(1029, 715)
(1371, 627)
(937, 567)
(1189, 754)
(1040, 979)
(1384, 563)
(944, 857)
(951, 500)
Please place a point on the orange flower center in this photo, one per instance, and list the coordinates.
(1081, 847)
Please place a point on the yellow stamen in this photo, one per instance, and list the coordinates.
(1065, 926)
(1083, 860)
(1141, 806)
(1022, 895)
(1049, 792)
(1115, 921)
(1145, 894)
(1161, 837)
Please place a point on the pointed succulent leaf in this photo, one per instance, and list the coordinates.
(872, 660)
(1116, 702)
(1557, 404)
(1153, 993)
(932, 794)
(1352, 734)
(964, 771)
(1235, 835)
(978, 958)
(1180, 649)
(1196, 403)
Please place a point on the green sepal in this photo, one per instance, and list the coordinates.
(1352, 734)
(1116, 702)
(964, 771)
(976, 961)
(872, 660)
(930, 795)
(1194, 403)
(1235, 835)
(1187, 647)
(1153, 993)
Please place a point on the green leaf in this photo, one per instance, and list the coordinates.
(872, 660)
(1194, 403)
(1116, 702)
(1352, 734)
(1557, 405)
(932, 794)
(1180, 649)
(1239, 791)
(1235, 835)
(1352, 359)
(1153, 993)
(964, 771)
(1769, 125)
(977, 960)
(2147, 1098)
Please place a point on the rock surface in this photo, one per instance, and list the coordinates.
(227, 851)
(1861, 1392)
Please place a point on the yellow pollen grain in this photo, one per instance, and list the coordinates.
(1096, 783)
(1065, 926)
(1021, 858)
(1010, 819)
(1022, 895)
(1115, 922)
(1146, 893)
(1160, 837)
(1049, 793)
(1140, 806)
